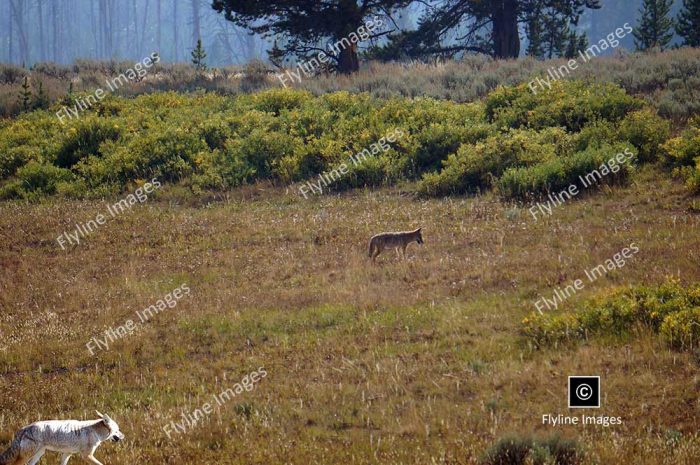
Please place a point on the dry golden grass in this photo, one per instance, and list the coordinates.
(404, 362)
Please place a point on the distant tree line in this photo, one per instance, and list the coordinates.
(60, 31)
(292, 31)
(447, 28)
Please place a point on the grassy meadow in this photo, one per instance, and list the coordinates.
(436, 359)
(421, 361)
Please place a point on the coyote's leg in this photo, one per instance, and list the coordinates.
(28, 454)
(403, 251)
(35, 459)
(91, 458)
(375, 254)
(64, 459)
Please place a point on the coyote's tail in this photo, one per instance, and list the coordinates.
(370, 256)
(10, 455)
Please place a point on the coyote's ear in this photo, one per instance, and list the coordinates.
(102, 417)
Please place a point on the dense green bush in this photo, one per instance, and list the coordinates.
(692, 178)
(436, 142)
(668, 309)
(596, 134)
(35, 180)
(683, 155)
(685, 149)
(558, 174)
(29, 138)
(646, 131)
(569, 104)
(207, 141)
(682, 329)
(475, 167)
(83, 140)
(276, 100)
(547, 140)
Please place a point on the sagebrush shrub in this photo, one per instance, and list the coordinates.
(207, 141)
(558, 174)
(11, 74)
(475, 167)
(83, 140)
(682, 153)
(255, 76)
(525, 450)
(669, 309)
(35, 180)
(569, 104)
(646, 131)
(668, 80)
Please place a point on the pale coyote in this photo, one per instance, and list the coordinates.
(65, 436)
(397, 240)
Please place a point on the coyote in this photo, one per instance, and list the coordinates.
(65, 436)
(397, 240)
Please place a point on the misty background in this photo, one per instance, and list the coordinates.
(62, 31)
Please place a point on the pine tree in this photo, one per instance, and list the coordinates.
(688, 23)
(25, 95)
(42, 100)
(533, 30)
(489, 26)
(302, 27)
(583, 42)
(575, 43)
(555, 36)
(198, 56)
(69, 98)
(655, 27)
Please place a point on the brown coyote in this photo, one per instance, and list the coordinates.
(397, 240)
